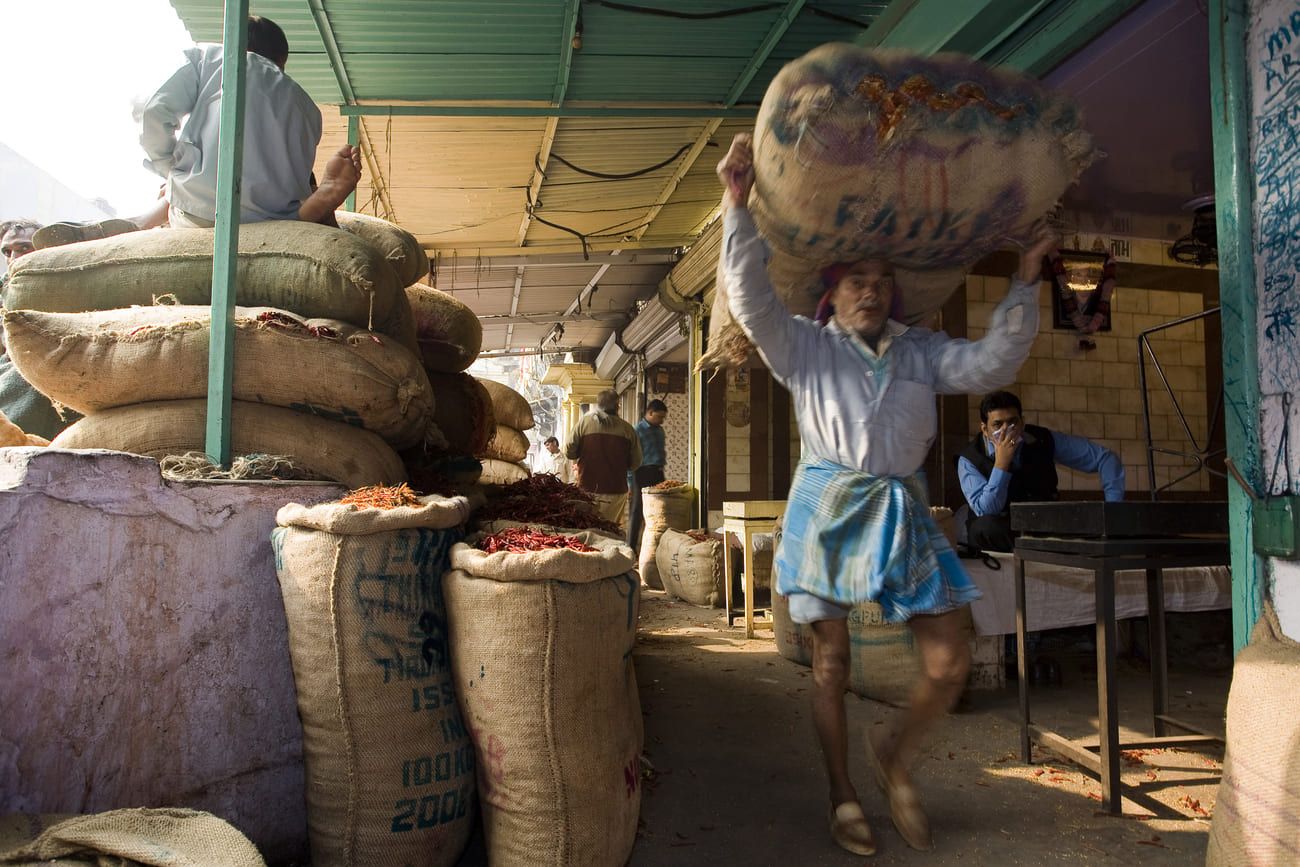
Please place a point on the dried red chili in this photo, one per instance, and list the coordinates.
(519, 540)
(669, 485)
(380, 497)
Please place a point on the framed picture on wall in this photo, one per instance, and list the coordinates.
(1082, 284)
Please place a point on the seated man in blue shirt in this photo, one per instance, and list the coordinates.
(1011, 462)
(650, 430)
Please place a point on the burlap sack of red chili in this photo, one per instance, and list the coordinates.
(930, 162)
(1257, 815)
(542, 657)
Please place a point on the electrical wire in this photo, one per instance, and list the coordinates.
(621, 176)
(690, 16)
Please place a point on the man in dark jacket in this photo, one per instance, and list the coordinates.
(1012, 462)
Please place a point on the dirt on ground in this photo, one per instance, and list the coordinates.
(734, 774)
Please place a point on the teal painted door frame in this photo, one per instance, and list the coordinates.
(225, 252)
(1234, 185)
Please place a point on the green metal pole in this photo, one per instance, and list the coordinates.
(225, 253)
(350, 204)
(1234, 184)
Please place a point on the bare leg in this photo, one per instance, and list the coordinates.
(342, 173)
(153, 218)
(830, 682)
(945, 660)
(944, 648)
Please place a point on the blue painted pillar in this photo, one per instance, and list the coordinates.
(1234, 185)
(225, 253)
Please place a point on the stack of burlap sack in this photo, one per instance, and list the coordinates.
(327, 350)
(434, 678)
(505, 450)
(930, 162)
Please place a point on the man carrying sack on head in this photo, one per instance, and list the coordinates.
(857, 527)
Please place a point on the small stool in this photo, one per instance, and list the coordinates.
(744, 519)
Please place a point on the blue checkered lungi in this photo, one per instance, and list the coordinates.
(849, 537)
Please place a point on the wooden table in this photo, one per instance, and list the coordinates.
(744, 519)
(1104, 557)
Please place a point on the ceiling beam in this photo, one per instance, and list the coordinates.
(514, 304)
(566, 260)
(628, 111)
(504, 247)
(332, 50)
(1031, 35)
(571, 11)
(552, 318)
(738, 87)
(1050, 38)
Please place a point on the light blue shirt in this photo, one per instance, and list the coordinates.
(282, 127)
(989, 496)
(869, 411)
(654, 443)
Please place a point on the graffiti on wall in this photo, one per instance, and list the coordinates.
(1274, 56)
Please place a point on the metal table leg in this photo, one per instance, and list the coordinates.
(1022, 664)
(1107, 686)
(747, 561)
(1158, 650)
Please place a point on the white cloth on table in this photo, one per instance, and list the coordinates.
(1061, 596)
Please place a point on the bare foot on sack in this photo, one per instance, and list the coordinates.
(342, 174)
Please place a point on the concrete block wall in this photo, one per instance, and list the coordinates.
(1097, 394)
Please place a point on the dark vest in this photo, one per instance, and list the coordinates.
(1034, 480)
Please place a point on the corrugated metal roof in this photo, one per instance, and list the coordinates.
(461, 184)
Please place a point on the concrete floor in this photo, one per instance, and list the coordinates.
(737, 776)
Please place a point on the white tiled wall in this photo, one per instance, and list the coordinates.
(1097, 394)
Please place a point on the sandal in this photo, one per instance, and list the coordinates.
(849, 829)
(904, 803)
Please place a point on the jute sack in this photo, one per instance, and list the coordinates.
(931, 162)
(507, 444)
(161, 837)
(689, 569)
(449, 333)
(315, 271)
(1257, 815)
(326, 449)
(498, 472)
(398, 246)
(390, 768)
(510, 407)
(664, 510)
(101, 359)
(462, 411)
(542, 652)
(883, 663)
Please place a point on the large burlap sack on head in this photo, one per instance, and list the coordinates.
(325, 449)
(663, 510)
(326, 367)
(315, 271)
(1257, 815)
(507, 444)
(462, 411)
(398, 246)
(542, 651)
(448, 332)
(510, 407)
(390, 767)
(690, 569)
(883, 663)
(158, 837)
(930, 162)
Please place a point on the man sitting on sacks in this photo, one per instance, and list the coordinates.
(282, 128)
(1011, 462)
(857, 526)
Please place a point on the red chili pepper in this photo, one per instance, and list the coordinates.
(517, 540)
